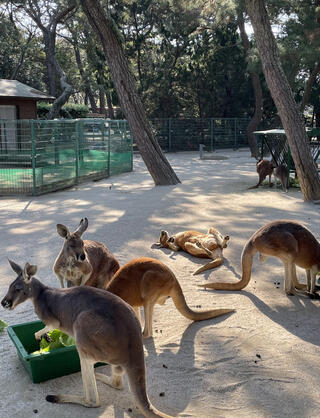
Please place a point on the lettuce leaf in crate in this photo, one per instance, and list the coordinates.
(3, 325)
(55, 339)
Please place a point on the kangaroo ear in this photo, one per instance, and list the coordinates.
(83, 225)
(15, 267)
(63, 231)
(29, 271)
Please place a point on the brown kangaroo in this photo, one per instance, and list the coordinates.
(267, 168)
(287, 240)
(198, 244)
(104, 327)
(264, 169)
(83, 262)
(145, 282)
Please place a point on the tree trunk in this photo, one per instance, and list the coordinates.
(102, 100)
(156, 162)
(110, 107)
(258, 108)
(49, 47)
(64, 96)
(288, 110)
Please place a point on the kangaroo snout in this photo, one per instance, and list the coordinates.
(6, 303)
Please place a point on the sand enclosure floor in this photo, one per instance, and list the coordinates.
(261, 361)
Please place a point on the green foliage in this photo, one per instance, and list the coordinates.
(55, 339)
(3, 325)
(68, 111)
(187, 57)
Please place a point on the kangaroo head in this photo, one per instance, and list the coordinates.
(164, 239)
(20, 288)
(74, 246)
(221, 241)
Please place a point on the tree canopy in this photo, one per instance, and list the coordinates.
(188, 57)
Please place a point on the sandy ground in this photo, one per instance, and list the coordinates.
(262, 361)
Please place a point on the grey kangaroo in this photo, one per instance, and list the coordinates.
(105, 329)
(83, 262)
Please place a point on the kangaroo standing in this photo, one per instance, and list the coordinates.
(267, 168)
(287, 240)
(104, 327)
(83, 262)
(145, 282)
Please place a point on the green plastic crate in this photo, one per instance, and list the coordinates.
(41, 367)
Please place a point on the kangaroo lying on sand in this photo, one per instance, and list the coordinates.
(104, 327)
(209, 245)
(145, 282)
(267, 168)
(85, 262)
(288, 240)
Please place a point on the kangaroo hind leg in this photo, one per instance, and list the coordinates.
(90, 397)
(115, 380)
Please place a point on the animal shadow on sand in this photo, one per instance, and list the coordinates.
(173, 363)
(300, 320)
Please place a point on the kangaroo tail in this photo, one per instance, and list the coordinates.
(137, 382)
(246, 261)
(215, 263)
(181, 305)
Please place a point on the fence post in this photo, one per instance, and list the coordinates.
(33, 158)
(109, 146)
(56, 146)
(77, 156)
(5, 136)
(211, 134)
(131, 146)
(235, 134)
(169, 134)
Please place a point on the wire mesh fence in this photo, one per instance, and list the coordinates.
(188, 134)
(39, 156)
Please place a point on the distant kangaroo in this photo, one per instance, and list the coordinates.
(145, 282)
(198, 244)
(281, 172)
(83, 262)
(267, 168)
(104, 327)
(287, 240)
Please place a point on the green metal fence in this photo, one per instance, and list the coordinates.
(38, 156)
(188, 134)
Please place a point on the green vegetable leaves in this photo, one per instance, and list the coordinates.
(3, 325)
(55, 339)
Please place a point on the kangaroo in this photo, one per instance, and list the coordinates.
(209, 245)
(104, 327)
(287, 240)
(145, 282)
(281, 172)
(85, 262)
(267, 168)
(264, 169)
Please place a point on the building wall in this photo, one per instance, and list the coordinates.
(26, 108)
